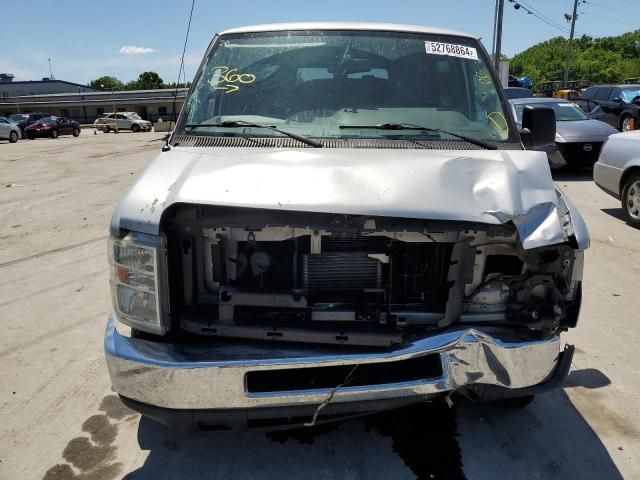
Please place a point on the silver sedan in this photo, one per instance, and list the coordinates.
(617, 172)
(9, 131)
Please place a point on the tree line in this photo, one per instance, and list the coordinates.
(597, 60)
(145, 81)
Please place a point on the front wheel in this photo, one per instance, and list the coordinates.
(135, 128)
(54, 133)
(106, 129)
(631, 200)
(13, 137)
(627, 123)
(76, 132)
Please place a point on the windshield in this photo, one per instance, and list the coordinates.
(565, 111)
(47, 120)
(17, 118)
(630, 93)
(134, 116)
(312, 83)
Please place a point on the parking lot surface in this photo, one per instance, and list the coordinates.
(59, 418)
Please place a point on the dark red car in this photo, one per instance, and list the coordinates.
(52, 127)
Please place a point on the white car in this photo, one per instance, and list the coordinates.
(617, 172)
(122, 121)
(9, 131)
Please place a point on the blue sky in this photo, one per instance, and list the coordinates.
(85, 39)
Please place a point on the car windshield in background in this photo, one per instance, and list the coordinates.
(134, 116)
(630, 93)
(312, 83)
(565, 111)
(48, 120)
(16, 118)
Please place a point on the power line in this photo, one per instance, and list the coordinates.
(540, 15)
(517, 5)
(607, 7)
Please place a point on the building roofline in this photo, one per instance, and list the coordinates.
(23, 82)
(102, 92)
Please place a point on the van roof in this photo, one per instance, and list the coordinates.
(389, 27)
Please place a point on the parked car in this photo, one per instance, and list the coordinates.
(617, 172)
(517, 92)
(9, 131)
(52, 127)
(618, 105)
(578, 138)
(123, 121)
(23, 120)
(345, 223)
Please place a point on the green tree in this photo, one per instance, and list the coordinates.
(107, 82)
(146, 81)
(597, 60)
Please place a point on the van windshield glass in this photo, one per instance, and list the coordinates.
(312, 83)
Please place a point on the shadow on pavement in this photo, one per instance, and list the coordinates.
(614, 212)
(572, 175)
(588, 378)
(549, 439)
(413, 442)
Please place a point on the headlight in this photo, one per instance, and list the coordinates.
(138, 282)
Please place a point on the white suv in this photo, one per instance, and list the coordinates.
(123, 121)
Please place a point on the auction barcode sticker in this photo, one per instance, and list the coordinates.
(451, 50)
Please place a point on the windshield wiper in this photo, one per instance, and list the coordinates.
(241, 123)
(411, 126)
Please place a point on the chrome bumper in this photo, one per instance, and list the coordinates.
(214, 376)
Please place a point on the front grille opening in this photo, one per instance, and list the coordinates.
(420, 368)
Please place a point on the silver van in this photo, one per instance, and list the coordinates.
(346, 219)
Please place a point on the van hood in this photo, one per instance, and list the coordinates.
(492, 187)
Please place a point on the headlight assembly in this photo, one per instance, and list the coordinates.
(138, 283)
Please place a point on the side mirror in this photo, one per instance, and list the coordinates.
(538, 126)
(618, 100)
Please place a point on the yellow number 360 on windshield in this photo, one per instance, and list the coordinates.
(228, 79)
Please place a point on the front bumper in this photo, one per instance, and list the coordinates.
(214, 376)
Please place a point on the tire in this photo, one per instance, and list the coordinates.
(106, 129)
(627, 124)
(13, 137)
(630, 199)
(135, 128)
(54, 133)
(76, 132)
(30, 137)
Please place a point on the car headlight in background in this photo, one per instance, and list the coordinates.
(138, 282)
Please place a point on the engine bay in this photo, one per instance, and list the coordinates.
(358, 280)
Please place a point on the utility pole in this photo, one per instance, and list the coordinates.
(573, 27)
(498, 29)
(50, 70)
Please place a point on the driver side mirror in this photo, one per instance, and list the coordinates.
(538, 126)
(618, 100)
